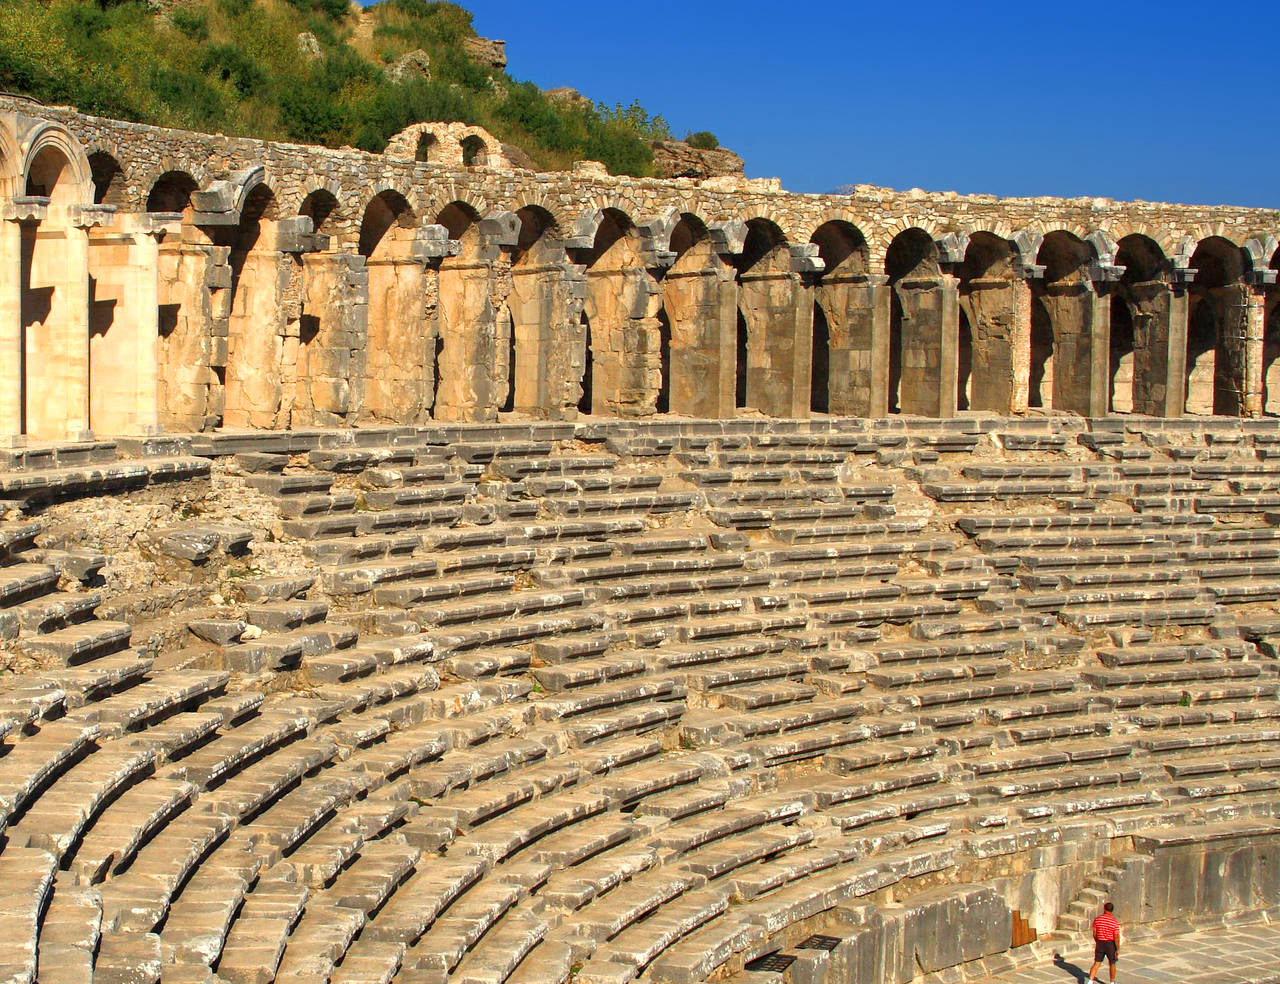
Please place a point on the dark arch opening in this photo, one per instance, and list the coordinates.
(1120, 377)
(474, 151)
(318, 207)
(664, 362)
(842, 247)
(171, 192)
(1217, 329)
(1041, 353)
(964, 362)
(426, 149)
(689, 231)
(534, 223)
(820, 373)
(457, 217)
(509, 400)
(740, 366)
(435, 372)
(386, 210)
(106, 172)
(584, 401)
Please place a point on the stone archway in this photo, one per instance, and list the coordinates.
(53, 278)
(467, 321)
(993, 365)
(399, 357)
(546, 328)
(852, 305)
(188, 279)
(1217, 330)
(1148, 325)
(256, 315)
(923, 328)
(700, 299)
(1067, 309)
(622, 311)
(777, 309)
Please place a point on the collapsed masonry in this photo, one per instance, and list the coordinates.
(153, 280)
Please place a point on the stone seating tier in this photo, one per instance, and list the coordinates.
(652, 701)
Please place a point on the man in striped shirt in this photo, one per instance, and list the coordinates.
(1106, 942)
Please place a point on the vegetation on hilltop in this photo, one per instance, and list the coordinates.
(237, 67)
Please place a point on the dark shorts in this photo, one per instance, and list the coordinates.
(1104, 950)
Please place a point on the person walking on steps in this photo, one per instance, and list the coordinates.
(1106, 942)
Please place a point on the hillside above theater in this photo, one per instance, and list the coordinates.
(313, 71)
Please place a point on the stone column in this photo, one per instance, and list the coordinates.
(622, 308)
(1255, 325)
(11, 354)
(256, 342)
(778, 307)
(57, 334)
(546, 301)
(401, 342)
(468, 330)
(333, 331)
(1159, 347)
(702, 304)
(857, 309)
(1081, 319)
(999, 310)
(124, 357)
(930, 340)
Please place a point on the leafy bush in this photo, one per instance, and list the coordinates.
(191, 23)
(702, 140)
(235, 66)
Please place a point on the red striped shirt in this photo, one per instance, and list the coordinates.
(1105, 928)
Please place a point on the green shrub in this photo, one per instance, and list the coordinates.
(702, 140)
(192, 23)
(230, 64)
(334, 9)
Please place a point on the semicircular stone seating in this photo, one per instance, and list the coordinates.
(664, 702)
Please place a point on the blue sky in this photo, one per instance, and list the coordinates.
(1171, 101)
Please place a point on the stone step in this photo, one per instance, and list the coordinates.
(78, 643)
(21, 582)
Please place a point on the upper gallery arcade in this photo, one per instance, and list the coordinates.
(155, 280)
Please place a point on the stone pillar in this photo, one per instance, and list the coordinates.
(930, 341)
(857, 309)
(255, 342)
(778, 307)
(11, 360)
(702, 304)
(545, 302)
(1255, 326)
(333, 330)
(1159, 347)
(622, 307)
(124, 327)
(56, 316)
(1175, 398)
(1020, 340)
(999, 312)
(1081, 320)
(467, 330)
(191, 275)
(400, 342)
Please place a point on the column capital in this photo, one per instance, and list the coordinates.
(91, 216)
(26, 208)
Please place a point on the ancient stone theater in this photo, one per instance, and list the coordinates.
(418, 568)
